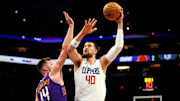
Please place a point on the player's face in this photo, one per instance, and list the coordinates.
(49, 65)
(89, 50)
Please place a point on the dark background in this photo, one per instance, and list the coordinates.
(18, 81)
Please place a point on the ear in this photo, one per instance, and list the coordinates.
(96, 51)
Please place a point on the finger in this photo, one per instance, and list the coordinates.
(89, 21)
(94, 23)
(65, 14)
(67, 17)
(94, 29)
(122, 12)
(85, 22)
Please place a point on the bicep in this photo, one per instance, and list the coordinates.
(36, 97)
(57, 66)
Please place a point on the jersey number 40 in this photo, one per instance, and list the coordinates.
(90, 79)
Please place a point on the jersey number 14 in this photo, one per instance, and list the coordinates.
(44, 94)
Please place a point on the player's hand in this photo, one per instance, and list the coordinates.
(69, 20)
(89, 26)
(120, 19)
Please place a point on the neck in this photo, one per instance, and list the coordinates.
(91, 60)
(44, 73)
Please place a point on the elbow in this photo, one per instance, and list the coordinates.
(118, 49)
(119, 46)
(64, 49)
(69, 49)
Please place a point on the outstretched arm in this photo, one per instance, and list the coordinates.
(75, 57)
(107, 59)
(69, 35)
(36, 99)
(63, 55)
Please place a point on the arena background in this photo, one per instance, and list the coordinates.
(33, 29)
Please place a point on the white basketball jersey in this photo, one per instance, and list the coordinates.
(90, 82)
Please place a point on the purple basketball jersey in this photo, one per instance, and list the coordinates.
(47, 90)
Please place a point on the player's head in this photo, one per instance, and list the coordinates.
(90, 49)
(44, 65)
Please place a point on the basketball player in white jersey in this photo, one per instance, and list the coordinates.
(89, 72)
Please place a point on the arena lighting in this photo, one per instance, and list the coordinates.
(100, 36)
(16, 11)
(70, 69)
(152, 57)
(127, 28)
(61, 21)
(125, 47)
(154, 45)
(169, 29)
(123, 67)
(28, 61)
(128, 46)
(155, 65)
(148, 98)
(37, 38)
(152, 33)
(121, 87)
(133, 58)
(178, 43)
(22, 49)
(149, 81)
(23, 37)
(60, 39)
(114, 36)
(18, 60)
(167, 57)
(24, 20)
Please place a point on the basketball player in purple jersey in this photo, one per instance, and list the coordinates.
(89, 72)
(51, 87)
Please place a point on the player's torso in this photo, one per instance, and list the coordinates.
(90, 82)
(48, 90)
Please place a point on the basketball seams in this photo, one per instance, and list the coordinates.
(113, 10)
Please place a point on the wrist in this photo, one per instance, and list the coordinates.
(120, 25)
(71, 25)
(75, 43)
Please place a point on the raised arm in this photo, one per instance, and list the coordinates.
(68, 38)
(69, 35)
(88, 28)
(107, 59)
(36, 99)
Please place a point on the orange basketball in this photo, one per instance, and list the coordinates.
(111, 11)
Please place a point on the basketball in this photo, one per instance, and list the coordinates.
(111, 11)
